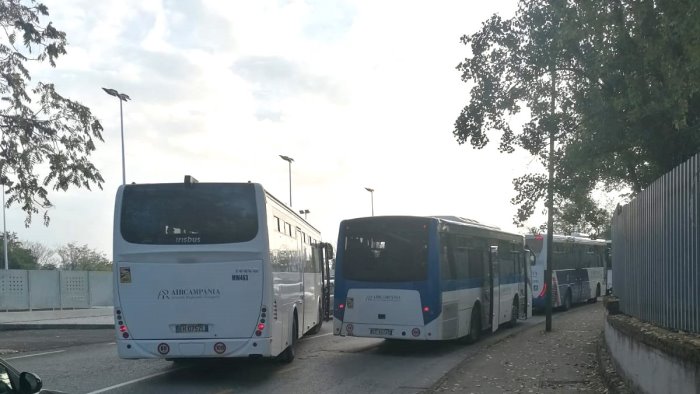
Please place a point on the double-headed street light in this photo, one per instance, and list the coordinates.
(289, 160)
(121, 97)
(371, 192)
(304, 212)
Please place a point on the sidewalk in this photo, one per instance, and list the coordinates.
(58, 319)
(533, 361)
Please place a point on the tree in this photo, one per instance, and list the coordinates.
(627, 77)
(74, 257)
(639, 104)
(18, 256)
(41, 129)
(45, 256)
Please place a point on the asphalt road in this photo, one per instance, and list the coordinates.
(86, 361)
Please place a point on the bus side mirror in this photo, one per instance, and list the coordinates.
(531, 257)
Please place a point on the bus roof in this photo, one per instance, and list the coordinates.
(569, 238)
(458, 220)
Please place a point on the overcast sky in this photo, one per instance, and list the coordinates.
(359, 93)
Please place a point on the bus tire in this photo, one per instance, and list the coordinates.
(474, 325)
(287, 356)
(514, 313)
(317, 328)
(567, 301)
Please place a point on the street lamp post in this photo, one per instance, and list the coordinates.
(4, 229)
(304, 212)
(122, 97)
(371, 193)
(289, 160)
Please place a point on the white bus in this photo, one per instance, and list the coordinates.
(427, 278)
(212, 270)
(578, 272)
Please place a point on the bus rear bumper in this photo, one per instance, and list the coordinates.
(199, 348)
(416, 333)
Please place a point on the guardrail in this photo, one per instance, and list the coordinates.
(28, 290)
(656, 251)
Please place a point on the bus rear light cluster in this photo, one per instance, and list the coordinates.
(261, 323)
(122, 327)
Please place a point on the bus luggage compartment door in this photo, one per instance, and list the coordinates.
(193, 301)
(383, 307)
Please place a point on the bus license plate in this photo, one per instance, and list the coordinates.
(381, 331)
(187, 328)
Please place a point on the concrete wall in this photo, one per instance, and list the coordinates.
(649, 369)
(26, 290)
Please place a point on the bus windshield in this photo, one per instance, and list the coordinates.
(386, 250)
(535, 244)
(200, 213)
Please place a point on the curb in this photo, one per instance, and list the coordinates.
(19, 326)
(607, 370)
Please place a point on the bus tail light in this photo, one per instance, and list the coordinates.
(339, 309)
(544, 290)
(426, 309)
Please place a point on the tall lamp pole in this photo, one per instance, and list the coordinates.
(371, 193)
(4, 229)
(122, 97)
(289, 160)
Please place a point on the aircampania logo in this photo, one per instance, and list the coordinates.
(188, 293)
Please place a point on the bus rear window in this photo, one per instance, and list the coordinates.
(534, 244)
(200, 213)
(386, 250)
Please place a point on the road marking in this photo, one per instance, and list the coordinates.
(116, 386)
(32, 355)
(317, 336)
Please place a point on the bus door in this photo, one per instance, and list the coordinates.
(523, 292)
(308, 291)
(323, 253)
(495, 288)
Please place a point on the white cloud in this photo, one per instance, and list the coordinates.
(360, 93)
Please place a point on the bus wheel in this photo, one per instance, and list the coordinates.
(567, 301)
(315, 329)
(287, 356)
(474, 326)
(514, 313)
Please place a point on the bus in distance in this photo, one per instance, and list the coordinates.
(212, 270)
(578, 272)
(427, 278)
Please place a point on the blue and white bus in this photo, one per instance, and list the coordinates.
(578, 273)
(427, 278)
(212, 270)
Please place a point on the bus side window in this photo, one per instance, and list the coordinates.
(447, 265)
